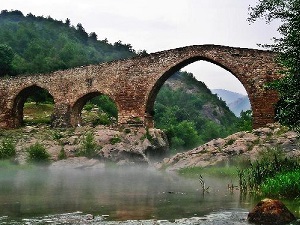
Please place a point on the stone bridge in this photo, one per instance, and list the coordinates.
(134, 83)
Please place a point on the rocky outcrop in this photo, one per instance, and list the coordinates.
(122, 146)
(269, 211)
(245, 145)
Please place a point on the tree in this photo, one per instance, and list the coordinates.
(288, 47)
(6, 58)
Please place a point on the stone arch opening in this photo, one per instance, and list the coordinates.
(213, 127)
(167, 74)
(94, 109)
(33, 105)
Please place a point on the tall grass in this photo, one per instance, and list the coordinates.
(283, 184)
(271, 163)
(194, 172)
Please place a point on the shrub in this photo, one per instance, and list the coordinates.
(7, 149)
(62, 154)
(89, 146)
(37, 153)
(88, 107)
(115, 140)
(102, 119)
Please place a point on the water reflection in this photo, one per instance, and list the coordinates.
(126, 193)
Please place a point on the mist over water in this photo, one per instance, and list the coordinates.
(124, 193)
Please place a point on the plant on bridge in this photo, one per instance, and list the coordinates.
(288, 46)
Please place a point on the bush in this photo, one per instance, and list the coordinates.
(89, 146)
(115, 140)
(102, 119)
(37, 153)
(62, 154)
(7, 149)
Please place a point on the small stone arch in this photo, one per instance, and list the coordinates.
(77, 107)
(149, 113)
(19, 101)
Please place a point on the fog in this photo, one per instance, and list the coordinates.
(121, 193)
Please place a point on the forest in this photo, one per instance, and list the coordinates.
(35, 44)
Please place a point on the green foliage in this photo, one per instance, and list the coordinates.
(89, 147)
(115, 140)
(62, 154)
(37, 113)
(288, 47)
(57, 135)
(88, 107)
(269, 164)
(43, 45)
(182, 113)
(283, 184)
(194, 172)
(102, 119)
(6, 58)
(37, 153)
(106, 105)
(245, 121)
(7, 149)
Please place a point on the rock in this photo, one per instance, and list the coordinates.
(269, 211)
(239, 145)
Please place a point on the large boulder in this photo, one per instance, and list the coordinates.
(269, 211)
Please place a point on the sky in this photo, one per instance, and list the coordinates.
(157, 25)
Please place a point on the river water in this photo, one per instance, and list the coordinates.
(127, 195)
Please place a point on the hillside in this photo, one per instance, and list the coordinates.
(42, 44)
(235, 101)
(190, 114)
(185, 108)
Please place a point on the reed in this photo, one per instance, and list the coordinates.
(271, 163)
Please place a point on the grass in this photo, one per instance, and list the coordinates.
(284, 184)
(194, 172)
(7, 149)
(37, 113)
(271, 163)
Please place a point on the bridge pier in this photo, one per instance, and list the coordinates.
(61, 116)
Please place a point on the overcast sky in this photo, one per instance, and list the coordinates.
(156, 25)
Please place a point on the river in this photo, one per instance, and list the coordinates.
(126, 195)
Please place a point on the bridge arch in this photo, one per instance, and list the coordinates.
(17, 109)
(77, 107)
(171, 70)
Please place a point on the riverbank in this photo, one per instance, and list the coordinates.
(108, 144)
(237, 149)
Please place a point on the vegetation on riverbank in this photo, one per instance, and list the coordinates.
(215, 171)
(260, 176)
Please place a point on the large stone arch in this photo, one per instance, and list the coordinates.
(19, 100)
(76, 108)
(253, 68)
(167, 74)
